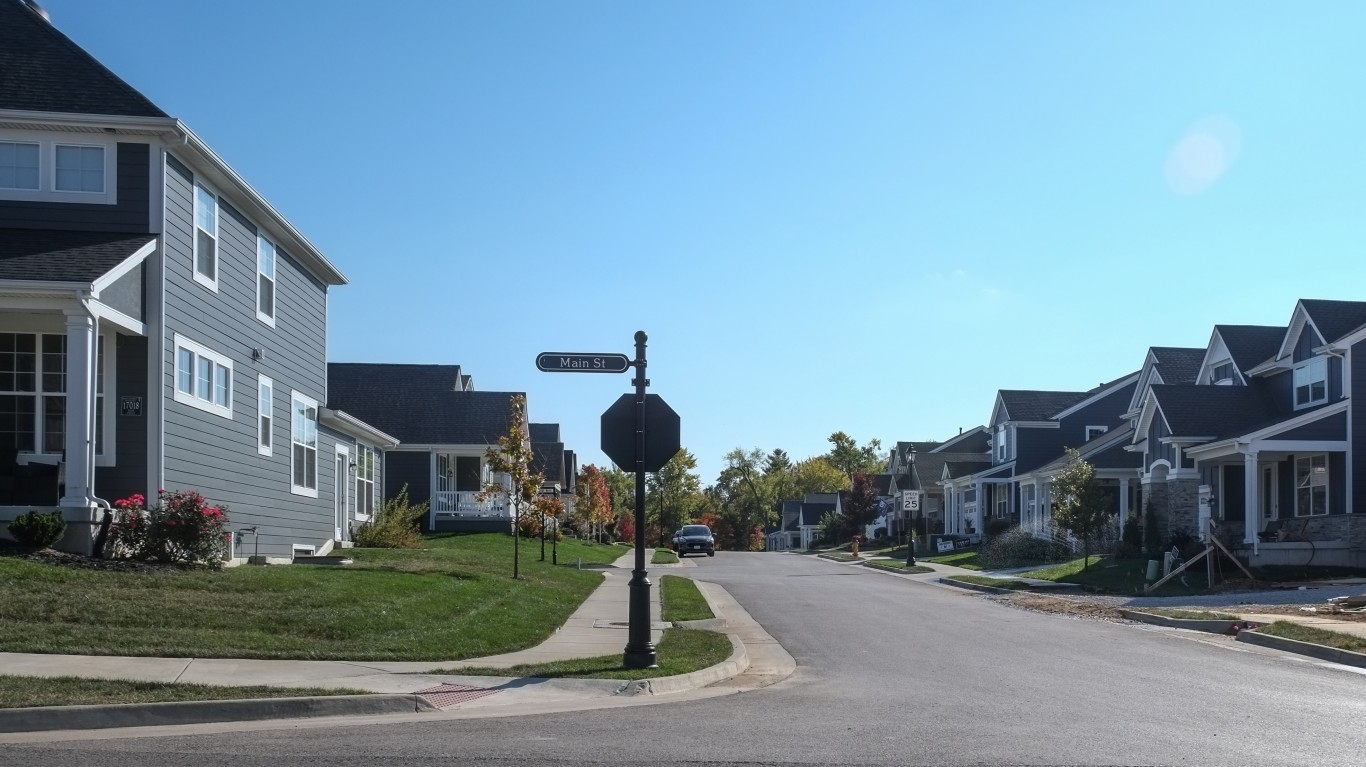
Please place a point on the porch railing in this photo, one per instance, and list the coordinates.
(465, 503)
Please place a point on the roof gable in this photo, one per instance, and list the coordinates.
(1029, 405)
(42, 70)
(419, 404)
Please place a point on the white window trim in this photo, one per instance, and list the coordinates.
(190, 398)
(1295, 387)
(310, 492)
(1100, 430)
(104, 175)
(361, 449)
(268, 319)
(209, 282)
(1327, 484)
(47, 169)
(268, 449)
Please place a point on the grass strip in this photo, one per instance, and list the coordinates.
(899, 565)
(664, 557)
(839, 557)
(1193, 615)
(982, 580)
(1303, 633)
(680, 651)
(967, 558)
(680, 600)
(1118, 576)
(455, 598)
(30, 691)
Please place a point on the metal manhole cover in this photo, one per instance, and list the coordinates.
(447, 695)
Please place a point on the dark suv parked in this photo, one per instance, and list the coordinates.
(695, 539)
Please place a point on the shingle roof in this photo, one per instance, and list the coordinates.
(812, 512)
(548, 459)
(882, 483)
(1335, 319)
(79, 257)
(418, 403)
(962, 468)
(929, 467)
(1212, 411)
(43, 71)
(1249, 345)
(544, 432)
(1023, 405)
(975, 440)
(1179, 364)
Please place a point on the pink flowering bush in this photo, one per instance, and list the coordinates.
(182, 527)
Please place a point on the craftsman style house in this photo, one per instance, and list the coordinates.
(1266, 442)
(161, 324)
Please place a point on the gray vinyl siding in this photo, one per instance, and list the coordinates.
(129, 214)
(129, 474)
(216, 455)
(128, 293)
(1358, 423)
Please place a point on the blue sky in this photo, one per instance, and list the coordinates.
(855, 216)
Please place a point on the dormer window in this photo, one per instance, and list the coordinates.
(1311, 382)
(1222, 374)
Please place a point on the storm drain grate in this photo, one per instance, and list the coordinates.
(447, 695)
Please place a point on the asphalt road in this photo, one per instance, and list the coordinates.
(890, 672)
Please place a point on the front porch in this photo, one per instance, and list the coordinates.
(458, 500)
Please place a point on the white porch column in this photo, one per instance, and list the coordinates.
(979, 514)
(1123, 503)
(80, 411)
(1251, 503)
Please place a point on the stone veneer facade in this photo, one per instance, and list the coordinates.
(1176, 504)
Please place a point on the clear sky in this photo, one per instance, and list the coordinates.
(856, 216)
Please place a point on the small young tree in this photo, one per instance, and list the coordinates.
(1081, 507)
(512, 457)
(862, 501)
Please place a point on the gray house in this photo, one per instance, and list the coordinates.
(161, 324)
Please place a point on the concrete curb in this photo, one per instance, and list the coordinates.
(1212, 626)
(1331, 654)
(732, 666)
(838, 558)
(705, 624)
(47, 718)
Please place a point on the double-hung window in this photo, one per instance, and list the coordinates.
(265, 412)
(265, 281)
(1311, 485)
(203, 378)
(1005, 449)
(365, 480)
(1311, 382)
(33, 385)
(304, 438)
(205, 237)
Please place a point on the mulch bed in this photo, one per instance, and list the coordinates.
(81, 562)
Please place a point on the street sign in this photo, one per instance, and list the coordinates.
(663, 435)
(576, 362)
(910, 500)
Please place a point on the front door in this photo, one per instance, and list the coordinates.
(340, 494)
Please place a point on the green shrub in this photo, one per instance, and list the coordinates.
(1152, 532)
(1131, 540)
(396, 526)
(183, 527)
(1014, 547)
(38, 530)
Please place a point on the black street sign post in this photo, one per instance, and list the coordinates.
(624, 426)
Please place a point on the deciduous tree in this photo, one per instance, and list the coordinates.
(671, 491)
(862, 501)
(1081, 506)
(817, 475)
(512, 458)
(848, 457)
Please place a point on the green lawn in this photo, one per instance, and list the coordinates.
(899, 564)
(680, 651)
(663, 557)
(454, 599)
(1325, 637)
(1119, 576)
(982, 580)
(1195, 615)
(27, 691)
(681, 601)
(966, 558)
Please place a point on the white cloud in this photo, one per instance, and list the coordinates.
(1202, 156)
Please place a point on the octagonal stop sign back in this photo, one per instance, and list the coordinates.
(662, 432)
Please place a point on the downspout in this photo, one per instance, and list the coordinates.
(93, 366)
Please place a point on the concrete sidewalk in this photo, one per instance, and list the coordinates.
(597, 628)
